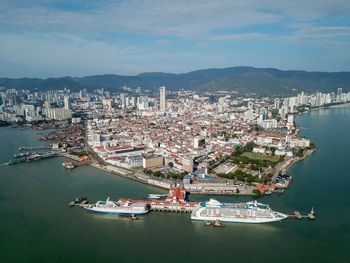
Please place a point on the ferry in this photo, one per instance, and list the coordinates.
(111, 207)
(250, 212)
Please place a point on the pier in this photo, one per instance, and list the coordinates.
(71, 165)
(298, 215)
(33, 157)
(83, 160)
(175, 202)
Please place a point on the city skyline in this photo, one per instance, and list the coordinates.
(59, 38)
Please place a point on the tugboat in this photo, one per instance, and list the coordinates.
(207, 223)
(218, 224)
(133, 217)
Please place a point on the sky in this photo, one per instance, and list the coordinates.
(43, 38)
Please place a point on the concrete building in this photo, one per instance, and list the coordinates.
(67, 104)
(162, 100)
(198, 142)
(59, 114)
(150, 160)
(187, 164)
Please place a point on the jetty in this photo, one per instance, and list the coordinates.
(71, 165)
(83, 160)
(33, 157)
(298, 215)
(175, 202)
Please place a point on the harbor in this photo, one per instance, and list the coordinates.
(65, 232)
(212, 210)
(33, 157)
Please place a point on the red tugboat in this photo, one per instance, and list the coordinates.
(218, 224)
(207, 223)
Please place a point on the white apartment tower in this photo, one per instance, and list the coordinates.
(162, 104)
(67, 104)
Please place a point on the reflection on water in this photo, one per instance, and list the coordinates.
(240, 227)
(109, 216)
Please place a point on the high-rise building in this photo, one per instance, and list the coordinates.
(340, 91)
(47, 104)
(122, 100)
(59, 114)
(162, 104)
(277, 104)
(67, 104)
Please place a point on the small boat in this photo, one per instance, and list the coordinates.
(79, 200)
(133, 217)
(279, 191)
(125, 215)
(218, 223)
(207, 223)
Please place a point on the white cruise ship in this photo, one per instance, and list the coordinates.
(111, 207)
(250, 212)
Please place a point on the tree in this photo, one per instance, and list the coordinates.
(170, 164)
(256, 191)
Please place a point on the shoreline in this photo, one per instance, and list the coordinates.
(341, 105)
(163, 183)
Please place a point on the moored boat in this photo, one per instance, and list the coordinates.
(250, 212)
(218, 223)
(112, 207)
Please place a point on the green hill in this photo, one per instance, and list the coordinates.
(243, 80)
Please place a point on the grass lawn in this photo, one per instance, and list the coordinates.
(257, 156)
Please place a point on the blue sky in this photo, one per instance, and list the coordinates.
(43, 38)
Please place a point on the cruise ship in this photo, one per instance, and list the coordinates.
(250, 212)
(111, 207)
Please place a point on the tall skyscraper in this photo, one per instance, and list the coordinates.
(67, 104)
(162, 104)
(122, 100)
(340, 91)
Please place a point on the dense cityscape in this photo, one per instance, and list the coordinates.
(207, 143)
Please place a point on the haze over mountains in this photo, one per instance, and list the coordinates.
(244, 80)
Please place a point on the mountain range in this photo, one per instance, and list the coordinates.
(243, 80)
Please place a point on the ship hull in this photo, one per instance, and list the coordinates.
(238, 213)
(116, 212)
(236, 220)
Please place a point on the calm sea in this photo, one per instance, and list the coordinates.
(36, 225)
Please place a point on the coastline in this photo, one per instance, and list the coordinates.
(327, 107)
(165, 184)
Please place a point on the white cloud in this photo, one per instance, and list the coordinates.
(162, 42)
(62, 54)
(237, 37)
(317, 34)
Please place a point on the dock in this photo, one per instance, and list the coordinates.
(71, 165)
(175, 202)
(33, 157)
(298, 215)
